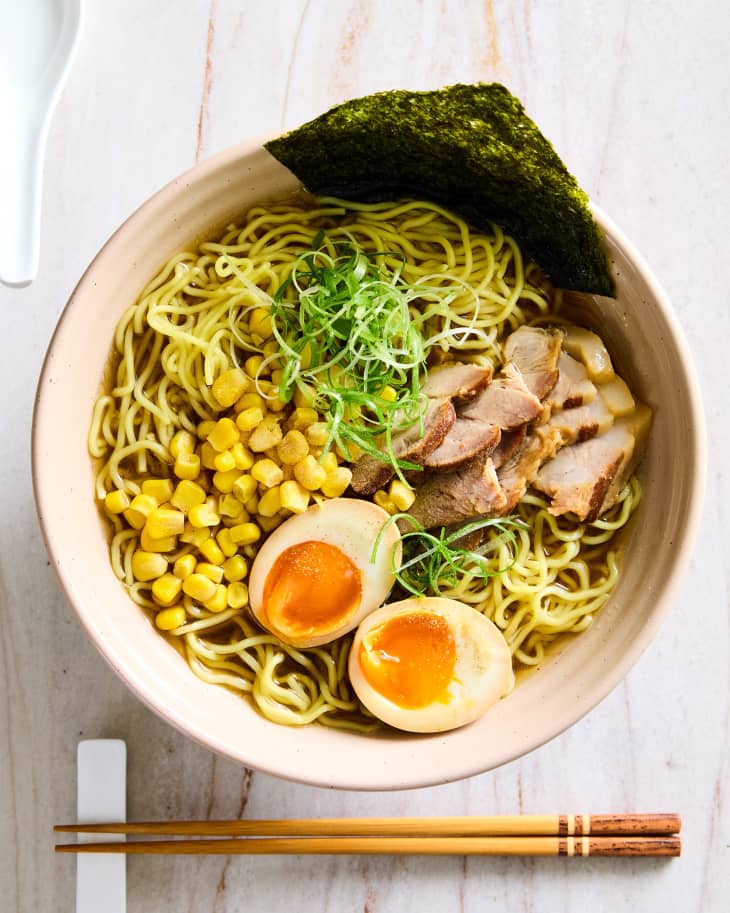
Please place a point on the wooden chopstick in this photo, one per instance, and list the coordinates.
(396, 846)
(516, 835)
(467, 826)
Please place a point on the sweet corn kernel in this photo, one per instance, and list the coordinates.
(267, 473)
(268, 524)
(205, 428)
(276, 376)
(139, 509)
(252, 505)
(336, 482)
(166, 589)
(292, 448)
(148, 565)
(219, 601)
(259, 323)
(294, 497)
(229, 386)
(276, 404)
(187, 494)
(270, 502)
(248, 419)
(199, 587)
(116, 502)
(237, 595)
(401, 495)
(194, 536)
(309, 473)
(302, 417)
(203, 515)
(329, 462)
(382, 500)
(182, 442)
(165, 522)
(242, 457)
(252, 365)
(225, 543)
(224, 461)
(211, 571)
(250, 401)
(235, 568)
(388, 394)
(187, 466)
(211, 550)
(245, 533)
(303, 396)
(267, 434)
(229, 506)
(150, 544)
(208, 453)
(317, 434)
(169, 619)
(184, 566)
(159, 489)
(224, 435)
(224, 481)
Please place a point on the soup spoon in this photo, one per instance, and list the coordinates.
(37, 43)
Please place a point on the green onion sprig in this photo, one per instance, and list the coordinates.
(434, 561)
(352, 341)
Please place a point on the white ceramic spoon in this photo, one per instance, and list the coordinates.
(37, 41)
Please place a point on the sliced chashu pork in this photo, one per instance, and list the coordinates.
(573, 388)
(586, 478)
(504, 405)
(456, 381)
(469, 491)
(369, 473)
(583, 422)
(535, 351)
(507, 402)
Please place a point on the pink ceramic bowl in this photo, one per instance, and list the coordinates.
(649, 350)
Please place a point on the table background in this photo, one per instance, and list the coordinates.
(634, 95)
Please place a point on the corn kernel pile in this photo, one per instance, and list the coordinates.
(231, 484)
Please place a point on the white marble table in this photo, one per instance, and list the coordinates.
(634, 96)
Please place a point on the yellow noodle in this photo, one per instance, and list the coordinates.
(191, 323)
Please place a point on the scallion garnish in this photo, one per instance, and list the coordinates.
(353, 339)
(433, 561)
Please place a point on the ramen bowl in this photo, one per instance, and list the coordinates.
(649, 351)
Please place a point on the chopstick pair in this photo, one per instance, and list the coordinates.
(518, 835)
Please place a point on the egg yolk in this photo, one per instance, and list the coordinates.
(311, 587)
(410, 659)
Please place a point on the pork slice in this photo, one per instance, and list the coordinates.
(457, 381)
(535, 351)
(370, 473)
(574, 387)
(506, 402)
(577, 479)
(509, 443)
(638, 424)
(465, 493)
(466, 438)
(583, 422)
(522, 467)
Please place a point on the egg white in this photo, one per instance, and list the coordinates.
(350, 525)
(482, 673)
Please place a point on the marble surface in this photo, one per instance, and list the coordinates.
(634, 97)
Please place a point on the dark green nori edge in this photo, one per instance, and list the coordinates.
(471, 148)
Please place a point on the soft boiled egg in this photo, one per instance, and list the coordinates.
(429, 664)
(314, 579)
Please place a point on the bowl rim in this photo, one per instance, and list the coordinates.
(43, 479)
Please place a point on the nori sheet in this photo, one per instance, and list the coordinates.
(471, 148)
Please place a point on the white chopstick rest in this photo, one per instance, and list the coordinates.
(101, 881)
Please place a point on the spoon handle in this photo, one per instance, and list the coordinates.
(21, 178)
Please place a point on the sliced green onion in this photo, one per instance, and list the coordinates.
(433, 561)
(348, 327)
